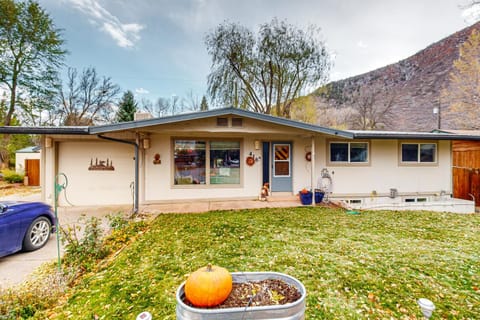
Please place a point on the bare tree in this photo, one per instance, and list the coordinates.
(87, 98)
(372, 108)
(265, 73)
(146, 105)
(192, 102)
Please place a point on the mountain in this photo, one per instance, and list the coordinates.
(413, 85)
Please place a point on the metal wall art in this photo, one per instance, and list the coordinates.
(101, 165)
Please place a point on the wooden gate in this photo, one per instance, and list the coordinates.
(466, 170)
(32, 171)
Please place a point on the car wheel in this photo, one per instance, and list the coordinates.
(37, 234)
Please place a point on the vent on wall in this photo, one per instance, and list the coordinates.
(222, 122)
(237, 122)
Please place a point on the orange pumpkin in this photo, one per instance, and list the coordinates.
(208, 286)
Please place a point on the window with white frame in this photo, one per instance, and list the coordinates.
(418, 152)
(348, 152)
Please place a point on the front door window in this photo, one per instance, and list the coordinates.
(281, 160)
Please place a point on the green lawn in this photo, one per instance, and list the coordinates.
(369, 266)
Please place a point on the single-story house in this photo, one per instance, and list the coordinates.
(27, 162)
(231, 153)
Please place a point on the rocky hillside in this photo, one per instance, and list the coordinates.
(414, 84)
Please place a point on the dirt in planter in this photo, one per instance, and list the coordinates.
(259, 293)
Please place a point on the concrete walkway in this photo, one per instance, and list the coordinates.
(204, 206)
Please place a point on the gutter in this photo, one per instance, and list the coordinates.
(135, 202)
(413, 135)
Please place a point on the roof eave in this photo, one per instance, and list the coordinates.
(44, 130)
(414, 136)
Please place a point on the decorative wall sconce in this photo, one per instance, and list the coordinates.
(156, 159)
(48, 142)
(146, 143)
(257, 144)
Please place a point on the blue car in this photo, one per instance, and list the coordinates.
(24, 226)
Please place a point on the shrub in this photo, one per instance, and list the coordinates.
(11, 176)
(83, 250)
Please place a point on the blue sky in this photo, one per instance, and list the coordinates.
(156, 47)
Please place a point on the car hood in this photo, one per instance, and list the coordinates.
(24, 204)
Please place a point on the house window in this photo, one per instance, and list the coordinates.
(189, 160)
(419, 152)
(349, 152)
(224, 162)
(191, 157)
(282, 160)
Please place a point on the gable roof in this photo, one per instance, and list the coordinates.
(139, 124)
(217, 113)
(145, 123)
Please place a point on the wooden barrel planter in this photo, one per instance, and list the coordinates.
(289, 311)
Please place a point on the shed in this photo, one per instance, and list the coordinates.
(27, 161)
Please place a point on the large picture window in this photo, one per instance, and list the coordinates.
(348, 152)
(192, 156)
(419, 152)
(189, 159)
(224, 162)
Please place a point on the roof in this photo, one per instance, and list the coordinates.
(410, 135)
(459, 132)
(44, 130)
(216, 113)
(139, 124)
(145, 123)
(32, 149)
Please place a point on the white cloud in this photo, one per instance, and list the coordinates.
(141, 91)
(471, 14)
(125, 35)
(361, 44)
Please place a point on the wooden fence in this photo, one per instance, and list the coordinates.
(466, 170)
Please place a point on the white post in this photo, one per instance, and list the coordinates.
(312, 166)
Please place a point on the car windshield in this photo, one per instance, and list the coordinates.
(3, 208)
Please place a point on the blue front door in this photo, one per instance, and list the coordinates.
(281, 167)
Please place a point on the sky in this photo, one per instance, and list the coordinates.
(155, 48)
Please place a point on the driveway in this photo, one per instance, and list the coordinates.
(16, 268)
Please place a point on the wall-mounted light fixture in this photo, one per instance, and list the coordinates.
(48, 142)
(146, 143)
(257, 144)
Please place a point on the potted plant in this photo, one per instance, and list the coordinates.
(306, 196)
(319, 194)
(186, 310)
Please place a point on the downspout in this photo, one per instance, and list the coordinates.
(135, 144)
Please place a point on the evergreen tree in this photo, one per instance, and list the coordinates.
(127, 107)
(204, 104)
